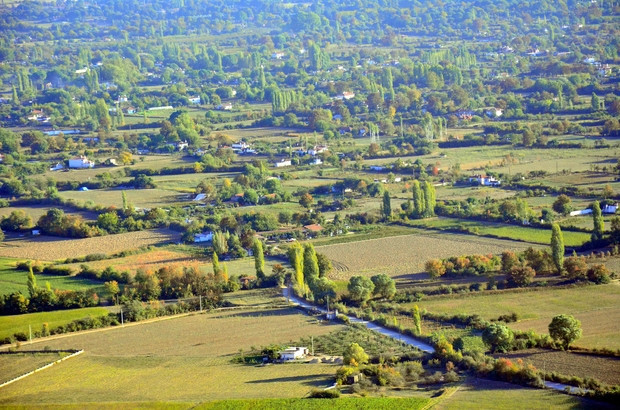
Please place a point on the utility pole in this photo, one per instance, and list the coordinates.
(122, 322)
(30, 329)
(200, 303)
(312, 341)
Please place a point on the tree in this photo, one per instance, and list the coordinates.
(112, 288)
(520, 276)
(32, 283)
(323, 288)
(354, 355)
(418, 200)
(576, 267)
(429, 199)
(565, 329)
(18, 220)
(562, 205)
(220, 243)
(598, 274)
(108, 222)
(435, 268)
(599, 223)
(498, 337)
(417, 321)
(306, 200)
(557, 247)
(215, 261)
(325, 264)
(311, 264)
(384, 286)
(296, 258)
(259, 259)
(126, 158)
(360, 288)
(595, 102)
(509, 260)
(387, 206)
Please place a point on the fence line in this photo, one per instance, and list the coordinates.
(40, 368)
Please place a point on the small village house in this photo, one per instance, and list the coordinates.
(293, 353)
(81, 162)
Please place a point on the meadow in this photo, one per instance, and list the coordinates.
(10, 325)
(499, 230)
(16, 364)
(595, 306)
(185, 359)
(488, 394)
(47, 248)
(12, 280)
(401, 256)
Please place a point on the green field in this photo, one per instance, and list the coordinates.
(12, 280)
(520, 233)
(20, 323)
(488, 394)
(386, 403)
(185, 359)
(596, 306)
(16, 364)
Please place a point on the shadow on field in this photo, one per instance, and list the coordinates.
(308, 380)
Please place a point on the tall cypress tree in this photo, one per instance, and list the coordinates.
(387, 206)
(216, 263)
(311, 264)
(418, 200)
(259, 259)
(557, 247)
(429, 200)
(599, 223)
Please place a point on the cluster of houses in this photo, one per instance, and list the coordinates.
(484, 180)
(82, 162)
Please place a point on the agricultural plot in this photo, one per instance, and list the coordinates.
(12, 280)
(489, 394)
(184, 359)
(402, 256)
(36, 211)
(519, 233)
(141, 198)
(595, 306)
(605, 369)
(46, 248)
(152, 259)
(16, 364)
(10, 325)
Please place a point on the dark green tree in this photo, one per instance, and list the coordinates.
(259, 259)
(498, 337)
(565, 329)
(557, 247)
(599, 223)
(387, 206)
(384, 286)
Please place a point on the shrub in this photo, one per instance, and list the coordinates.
(324, 394)
(57, 270)
(598, 274)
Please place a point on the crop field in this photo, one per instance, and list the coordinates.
(15, 364)
(401, 256)
(605, 369)
(181, 359)
(595, 306)
(141, 198)
(488, 394)
(36, 211)
(47, 248)
(12, 280)
(383, 403)
(152, 259)
(20, 323)
(520, 233)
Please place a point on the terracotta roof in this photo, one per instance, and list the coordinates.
(314, 228)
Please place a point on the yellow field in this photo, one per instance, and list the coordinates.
(181, 359)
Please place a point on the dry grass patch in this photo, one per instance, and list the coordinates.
(47, 248)
(403, 255)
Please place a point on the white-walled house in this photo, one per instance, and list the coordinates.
(283, 163)
(203, 237)
(293, 353)
(81, 162)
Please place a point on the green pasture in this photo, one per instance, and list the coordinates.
(12, 280)
(10, 325)
(520, 233)
(388, 403)
(596, 306)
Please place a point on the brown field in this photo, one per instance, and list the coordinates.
(151, 260)
(47, 248)
(605, 369)
(406, 255)
(180, 359)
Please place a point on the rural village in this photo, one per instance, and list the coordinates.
(351, 204)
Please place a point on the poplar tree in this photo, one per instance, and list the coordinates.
(259, 259)
(417, 321)
(216, 263)
(429, 199)
(387, 206)
(311, 264)
(418, 200)
(32, 283)
(599, 223)
(557, 247)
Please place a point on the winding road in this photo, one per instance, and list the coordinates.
(372, 326)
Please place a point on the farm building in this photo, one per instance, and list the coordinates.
(581, 212)
(484, 180)
(610, 209)
(293, 353)
(57, 167)
(283, 163)
(203, 237)
(317, 149)
(81, 162)
(314, 228)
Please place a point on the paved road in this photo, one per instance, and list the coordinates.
(372, 326)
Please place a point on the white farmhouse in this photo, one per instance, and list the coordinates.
(283, 163)
(203, 237)
(81, 162)
(293, 353)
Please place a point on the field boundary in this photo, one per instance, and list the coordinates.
(23, 376)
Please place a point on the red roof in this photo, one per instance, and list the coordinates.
(314, 228)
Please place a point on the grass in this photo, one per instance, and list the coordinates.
(16, 364)
(185, 359)
(520, 233)
(488, 394)
(387, 403)
(595, 306)
(10, 325)
(12, 280)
